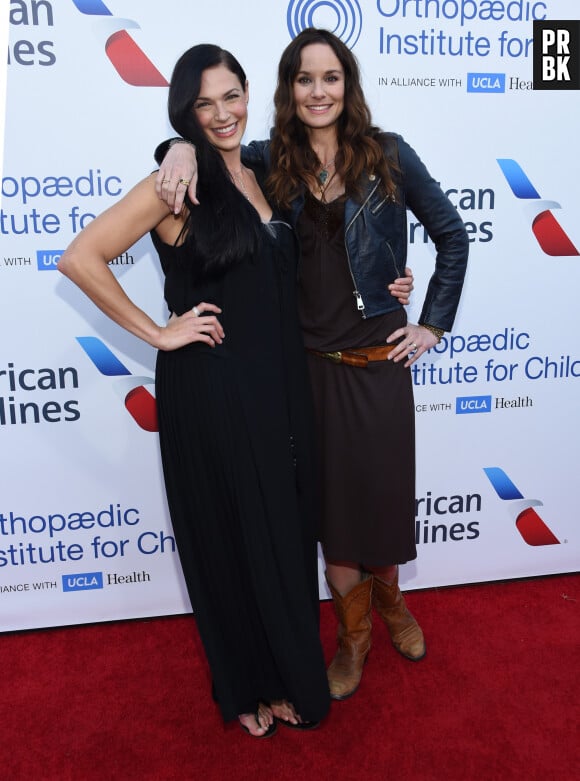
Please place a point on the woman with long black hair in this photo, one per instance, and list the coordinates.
(233, 400)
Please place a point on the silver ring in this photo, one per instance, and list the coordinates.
(196, 311)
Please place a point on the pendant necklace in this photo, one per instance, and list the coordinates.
(324, 185)
(323, 175)
(239, 182)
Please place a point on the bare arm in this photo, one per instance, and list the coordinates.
(86, 260)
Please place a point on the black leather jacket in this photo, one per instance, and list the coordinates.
(375, 235)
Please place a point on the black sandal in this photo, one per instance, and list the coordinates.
(303, 725)
(269, 732)
(300, 725)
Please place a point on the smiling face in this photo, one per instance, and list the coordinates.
(318, 87)
(222, 108)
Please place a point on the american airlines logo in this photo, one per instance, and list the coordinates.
(533, 529)
(549, 234)
(128, 59)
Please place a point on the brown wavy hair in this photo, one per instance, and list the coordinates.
(293, 161)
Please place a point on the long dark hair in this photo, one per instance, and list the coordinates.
(224, 228)
(359, 149)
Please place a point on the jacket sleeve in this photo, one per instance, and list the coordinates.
(257, 152)
(161, 150)
(425, 198)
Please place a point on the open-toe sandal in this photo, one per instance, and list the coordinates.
(267, 734)
(302, 725)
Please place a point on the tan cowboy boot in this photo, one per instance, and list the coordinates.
(354, 638)
(405, 632)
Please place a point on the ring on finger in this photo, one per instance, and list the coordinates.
(196, 311)
(184, 181)
(413, 346)
(166, 181)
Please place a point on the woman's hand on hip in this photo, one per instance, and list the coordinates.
(414, 341)
(192, 326)
(402, 286)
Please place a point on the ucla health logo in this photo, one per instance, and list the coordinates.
(486, 82)
(533, 529)
(139, 402)
(82, 581)
(467, 405)
(550, 235)
(128, 59)
(342, 17)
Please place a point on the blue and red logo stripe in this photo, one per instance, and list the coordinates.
(128, 59)
(139, 402)
(550, 235)
(532, 528)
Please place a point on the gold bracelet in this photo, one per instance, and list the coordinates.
(438, 332)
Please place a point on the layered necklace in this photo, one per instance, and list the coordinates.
(323, 186)
(323, 175)
(325, 178)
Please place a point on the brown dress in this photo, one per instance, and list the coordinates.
(364, 416)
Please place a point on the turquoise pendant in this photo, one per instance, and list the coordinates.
(323, 176)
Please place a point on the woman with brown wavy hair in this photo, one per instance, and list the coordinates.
(352, 136)
(346, 186)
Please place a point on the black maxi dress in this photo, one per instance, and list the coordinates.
(235, 429)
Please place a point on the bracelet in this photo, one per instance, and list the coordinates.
(180, 141)
(438, 332)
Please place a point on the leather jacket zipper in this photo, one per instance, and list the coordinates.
(356, 293)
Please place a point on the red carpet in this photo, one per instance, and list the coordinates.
(496, 698)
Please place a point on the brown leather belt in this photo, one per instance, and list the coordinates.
(358, 356)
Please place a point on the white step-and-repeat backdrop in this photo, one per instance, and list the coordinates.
(84, 529)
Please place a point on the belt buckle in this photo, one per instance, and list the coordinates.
(335, 357)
